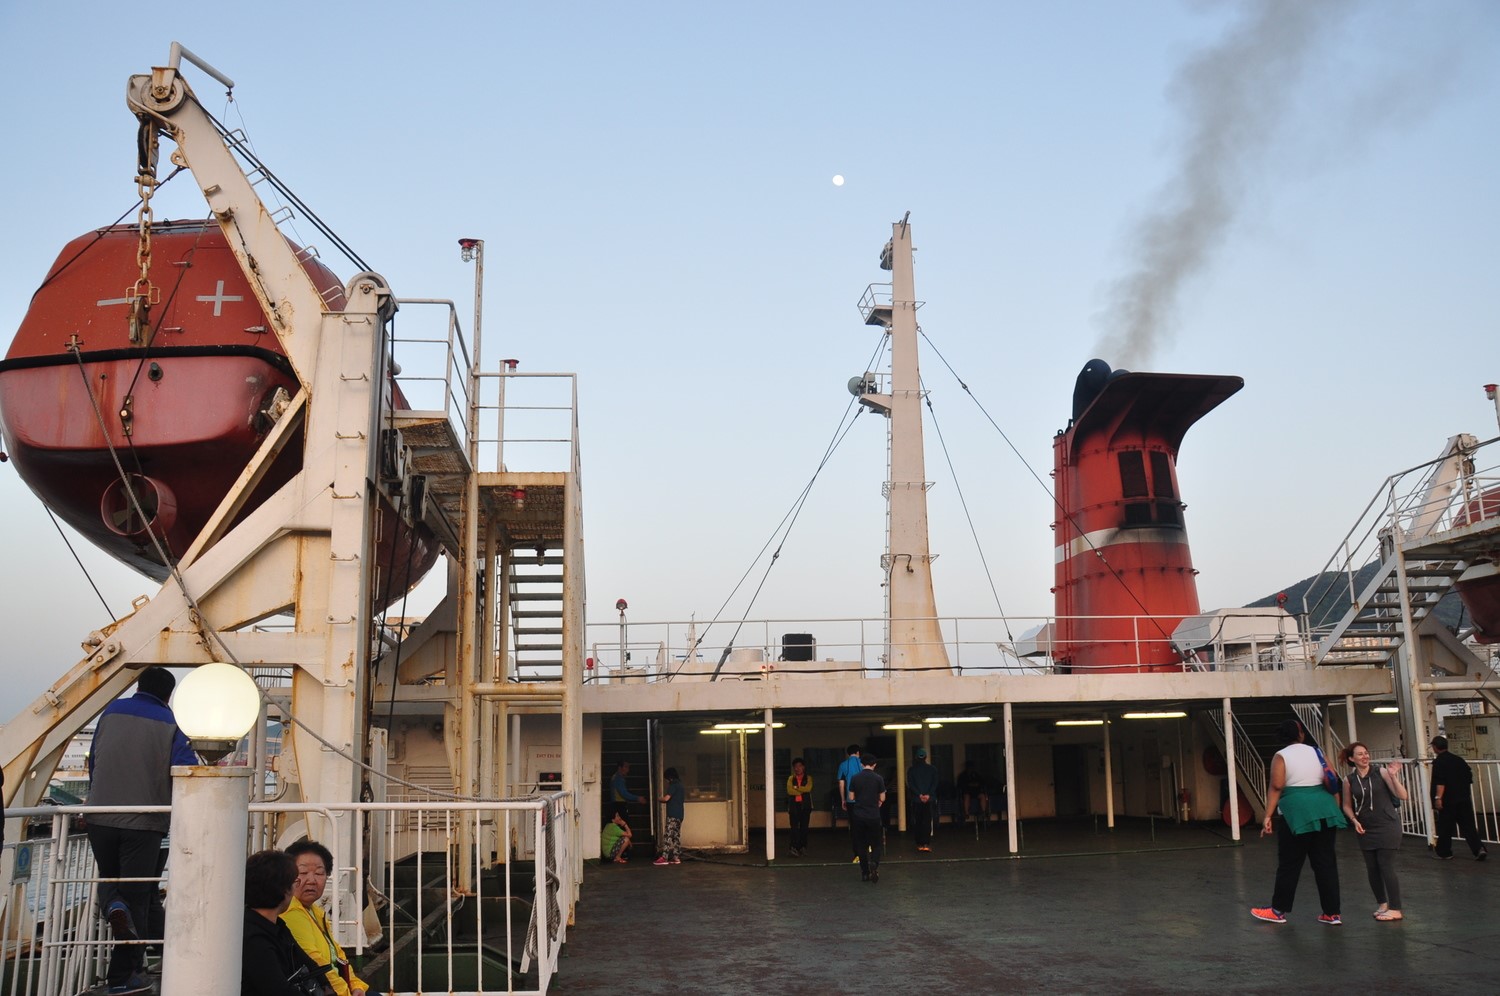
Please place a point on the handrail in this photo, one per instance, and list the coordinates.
(1311, 715)
(1246, 756)
(1403, 497)
(664, 650)
(59, 903)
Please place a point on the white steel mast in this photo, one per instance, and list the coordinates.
(914, 638)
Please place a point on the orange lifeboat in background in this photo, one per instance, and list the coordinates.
(89, 414)
(1479, 586)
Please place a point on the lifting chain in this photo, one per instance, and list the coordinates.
(145, 182)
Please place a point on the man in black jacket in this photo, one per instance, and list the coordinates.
(1452, 802)
(868, 790)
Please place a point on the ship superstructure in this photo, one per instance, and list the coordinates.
(499, 696)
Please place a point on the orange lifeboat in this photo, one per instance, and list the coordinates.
(93, 413)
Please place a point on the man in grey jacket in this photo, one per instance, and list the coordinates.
(136, 743)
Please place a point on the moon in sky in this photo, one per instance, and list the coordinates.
(838, 179)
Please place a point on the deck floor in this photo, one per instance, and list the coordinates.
(1137, 909)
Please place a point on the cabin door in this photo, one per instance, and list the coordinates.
(1070, 780)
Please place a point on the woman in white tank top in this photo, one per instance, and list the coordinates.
(1310, 816)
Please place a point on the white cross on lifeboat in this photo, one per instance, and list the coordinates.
(218, 297)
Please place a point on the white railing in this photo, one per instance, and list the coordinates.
(1416, 777)
(1246, 756)
(450, 919)
(435, 369)
(52, 937)
(974, 645)
(527, 420)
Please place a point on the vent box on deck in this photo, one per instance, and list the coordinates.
(798, 647)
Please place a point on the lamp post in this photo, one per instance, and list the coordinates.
(215, 706)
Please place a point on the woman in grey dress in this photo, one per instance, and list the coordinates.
(1372, 800)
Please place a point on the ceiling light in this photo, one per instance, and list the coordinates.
(1384, 710)
(1155, 715)
(716, 733)
(746, 726)
(958, 719)
(1080, 722)
(902, 726)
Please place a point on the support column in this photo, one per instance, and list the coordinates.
(1109, 777)
(210, 818)
(770, 769)
(1349, 715)
(1010, 780)
(1234, 776)
(900, 781)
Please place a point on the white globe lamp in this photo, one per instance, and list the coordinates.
(216, 705)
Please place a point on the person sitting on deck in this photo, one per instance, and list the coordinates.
(306, 918)
(973, 799)
(614, 842)
(271, 960)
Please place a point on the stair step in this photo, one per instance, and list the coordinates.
(536, 596)
(538, 631)
(517, 577)
(536, 614)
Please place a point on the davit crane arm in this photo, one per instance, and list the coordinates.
(308, 549)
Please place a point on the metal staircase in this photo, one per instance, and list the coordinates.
(1389, 610)
(1255, 741)
(1422, 529)
(629, 738)
(1256, 722)
(536, 616)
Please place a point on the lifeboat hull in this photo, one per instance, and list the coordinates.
(1479, 590)
(92, 413)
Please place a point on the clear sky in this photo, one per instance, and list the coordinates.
(1298, 193)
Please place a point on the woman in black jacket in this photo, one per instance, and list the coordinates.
(271, 957)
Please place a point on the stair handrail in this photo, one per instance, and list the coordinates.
(1393, 503)
(1323, 734)
(1246, 755)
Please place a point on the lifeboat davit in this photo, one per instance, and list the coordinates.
(91, 412)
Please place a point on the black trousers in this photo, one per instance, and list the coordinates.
(798, 814)
(869, 842)
(921, 820)
(122, 853)
(1457, 815)
(1316, 848)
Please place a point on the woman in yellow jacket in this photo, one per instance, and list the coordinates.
(308, 921)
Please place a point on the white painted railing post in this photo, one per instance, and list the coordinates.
(210, 820)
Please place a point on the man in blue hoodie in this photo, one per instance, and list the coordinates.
(847, 771)
(136, 743)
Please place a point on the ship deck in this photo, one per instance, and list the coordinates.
(1139, 909)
